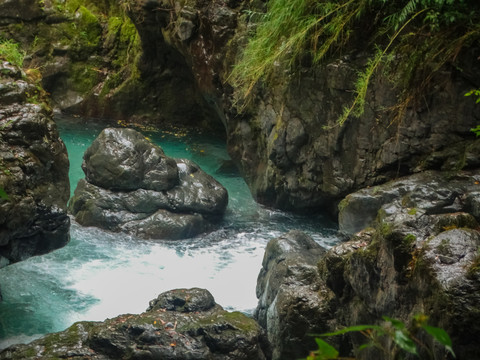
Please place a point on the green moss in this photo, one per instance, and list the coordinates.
(473, 271)
(83, 76)
(241, 321)
(87, 33)
(238, 321)
(412, 211)
(409, 239)
(343, 204)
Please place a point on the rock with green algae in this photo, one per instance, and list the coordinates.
(429, 192)
(177, 327)
(407, 262)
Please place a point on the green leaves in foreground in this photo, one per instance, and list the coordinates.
(404, 339)
(475, 92)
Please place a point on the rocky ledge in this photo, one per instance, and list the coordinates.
(130, 185)
(179, 324)
(418, 252)
(33, 172)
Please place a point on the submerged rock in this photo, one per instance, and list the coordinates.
(33, 172)
(132, 186)
(181, 324)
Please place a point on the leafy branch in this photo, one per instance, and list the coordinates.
(475, 92)
(403, 338)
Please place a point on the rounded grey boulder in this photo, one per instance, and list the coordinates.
(123, 159)
(133, 187)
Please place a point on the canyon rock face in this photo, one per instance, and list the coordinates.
(286, 140)
(179, 324)
(420, 254)
(170, 61)
(130, 185)
(33, 172)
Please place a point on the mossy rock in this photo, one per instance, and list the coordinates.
(157, 333)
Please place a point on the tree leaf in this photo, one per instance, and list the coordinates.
(404, 342)
(397, 324)
(441, 336)
(354, 328)
(325, 350)
(366, 346)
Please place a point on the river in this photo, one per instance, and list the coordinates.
(101, 274)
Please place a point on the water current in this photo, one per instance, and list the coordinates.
(101, 274)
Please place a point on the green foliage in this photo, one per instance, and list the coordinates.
(411, 41)
(3, 194)
(9, 51)
(405, 339)
(475, 92)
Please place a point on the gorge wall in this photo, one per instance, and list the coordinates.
(33, 172)
(286, 141)
(169, 62)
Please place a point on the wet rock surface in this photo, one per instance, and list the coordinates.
(426, 193)
(33, 173)
(132, 186)
(164, 331)
(292, 301)
(419, 255)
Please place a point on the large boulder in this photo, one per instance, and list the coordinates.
(292, 301)
(419, 255)
(180, 324)
(132, 186)
(126, 160)
(33, 172)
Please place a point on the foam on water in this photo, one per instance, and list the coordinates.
(100, 274)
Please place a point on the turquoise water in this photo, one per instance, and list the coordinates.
(101, 274)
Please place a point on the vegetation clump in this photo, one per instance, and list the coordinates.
(10, 51)
(410, 40)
